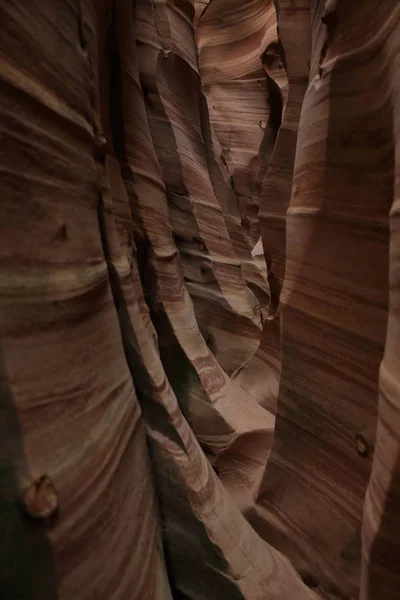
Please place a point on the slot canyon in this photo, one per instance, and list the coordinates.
(200, 299)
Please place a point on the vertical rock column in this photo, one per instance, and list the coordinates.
(334, 294)
(381, 524)
(79, 518)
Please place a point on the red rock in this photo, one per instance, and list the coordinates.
(199, 299)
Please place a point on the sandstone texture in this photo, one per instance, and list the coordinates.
(200, 300)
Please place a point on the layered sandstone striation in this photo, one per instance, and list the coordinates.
(199, 299)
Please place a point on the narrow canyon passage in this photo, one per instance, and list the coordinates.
(199, 300)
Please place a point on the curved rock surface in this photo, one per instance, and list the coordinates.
(231, 36)
(199, 322)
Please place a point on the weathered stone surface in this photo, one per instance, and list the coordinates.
(334, 269)
(199, 281)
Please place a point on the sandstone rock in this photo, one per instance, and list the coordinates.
(199, 283)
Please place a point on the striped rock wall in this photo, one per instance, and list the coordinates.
(199, 358)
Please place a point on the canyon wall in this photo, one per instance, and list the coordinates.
(199, 320)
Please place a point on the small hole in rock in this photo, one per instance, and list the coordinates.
(362, 445)
(309, 579)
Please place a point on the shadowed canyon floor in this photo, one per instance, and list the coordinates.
(200, 300)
